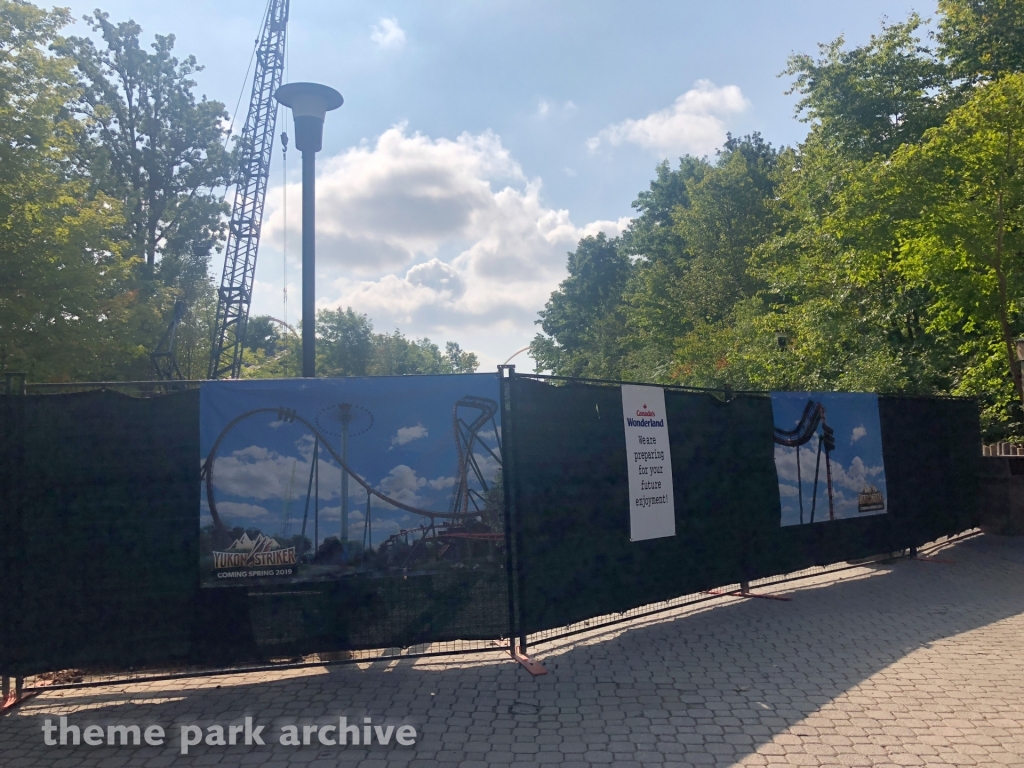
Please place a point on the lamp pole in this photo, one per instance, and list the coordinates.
(309, 102)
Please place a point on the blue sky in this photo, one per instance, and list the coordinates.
(405, 449)
(479, 141)
(856, 460)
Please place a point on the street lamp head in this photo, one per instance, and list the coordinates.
(309, 103)
(1019, 343)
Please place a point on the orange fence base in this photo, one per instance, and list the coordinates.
(532, 666)
(12, 701)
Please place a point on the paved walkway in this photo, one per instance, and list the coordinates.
(910, 663)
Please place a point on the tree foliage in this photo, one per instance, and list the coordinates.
(112, 174)
(109, 199)
(981, 39)
(882, 253)
(346, 345)
(69, 298)
(872, 98)
(967, 250)
(155, 146)
(584, 318)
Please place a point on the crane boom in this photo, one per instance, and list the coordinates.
(256, 146)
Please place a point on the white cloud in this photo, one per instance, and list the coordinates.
(488, 466)
(331, 513)
(547, 108)
(387, 34)
(231, 509)
(408, 434)
(440, 483)
(853, 478)
(442, 238)
(858, 433)
(856, 477)
(695, 123)
(261, 474)
(401, 484)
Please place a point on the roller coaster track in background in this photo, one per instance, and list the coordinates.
(463, 494)
(812, 417)
(465, 435)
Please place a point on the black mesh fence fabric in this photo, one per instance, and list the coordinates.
(933, 448)
(239, 624)
(574, 554)
(100, 539)
(99, 503)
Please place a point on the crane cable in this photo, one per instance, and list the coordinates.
(284, 235)
(284, 187)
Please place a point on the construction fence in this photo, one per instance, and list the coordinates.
(117, 526)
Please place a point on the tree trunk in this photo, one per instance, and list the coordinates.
(1004, 319)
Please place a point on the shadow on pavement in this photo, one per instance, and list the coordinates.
(712, 686)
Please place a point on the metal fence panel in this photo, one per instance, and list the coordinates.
(100, 555)
(575, 555)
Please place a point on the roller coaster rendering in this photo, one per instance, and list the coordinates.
(468, 500)
(813, 416)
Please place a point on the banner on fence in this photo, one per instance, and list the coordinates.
(652, 506)
(310, 480)
(828, 456)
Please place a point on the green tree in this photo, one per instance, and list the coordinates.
(981, 39)
(828, 316)
(150, 143)
(345, 343)
(958, 200)
(69, 305)
(261, 333)
(682, 303)
(153, 144)
(347, 346)
(396, 355)
(654, 242)
(458, 360)
(872, 98)
(583, 319)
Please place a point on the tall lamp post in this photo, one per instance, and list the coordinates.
(310, 103)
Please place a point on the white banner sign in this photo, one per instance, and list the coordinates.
(652, 509)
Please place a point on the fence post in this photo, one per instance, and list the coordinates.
(12, 422)
(504, 391)
(14, 383)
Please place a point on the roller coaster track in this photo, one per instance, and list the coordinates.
(812, 417)
(442, 532)
(466, 437)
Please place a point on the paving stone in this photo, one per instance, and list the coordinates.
(903, 664)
